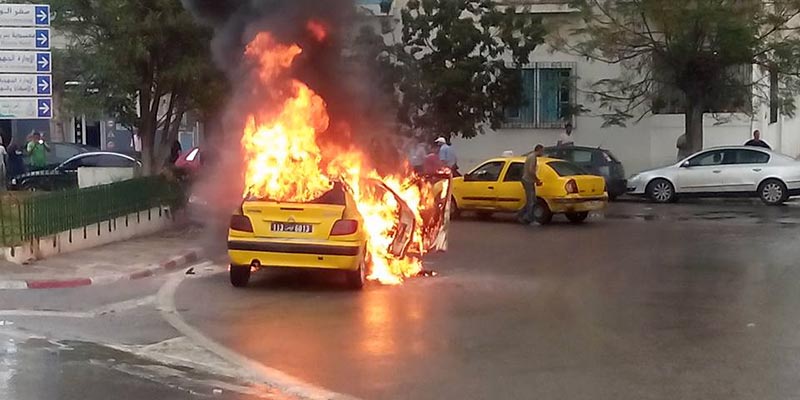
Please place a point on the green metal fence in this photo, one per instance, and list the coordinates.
(27, 216)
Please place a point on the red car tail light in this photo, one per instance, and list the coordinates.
(344, 227)
(571, 187)
(241, 223)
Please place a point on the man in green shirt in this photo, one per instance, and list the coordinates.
(37, 151)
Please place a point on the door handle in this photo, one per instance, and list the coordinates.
(756, 169)
(491, 187)
(717, 171)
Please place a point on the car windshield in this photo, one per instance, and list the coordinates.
(335, 196)
(564, 168)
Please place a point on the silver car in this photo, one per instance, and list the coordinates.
(722, 172)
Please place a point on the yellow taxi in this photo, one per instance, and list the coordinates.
(496, 186)
(326, 233)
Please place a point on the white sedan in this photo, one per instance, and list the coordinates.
(722, 172)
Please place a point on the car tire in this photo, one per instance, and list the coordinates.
(577, 217)
(612, 197)
(455, 212)
(661, 191)
(773, 192)
(240, 276)
(358, 278)
(29, 187)
(542, 213)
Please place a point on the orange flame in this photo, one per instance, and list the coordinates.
(285, 162)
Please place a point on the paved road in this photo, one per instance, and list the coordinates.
(690, 301)
(694, 301)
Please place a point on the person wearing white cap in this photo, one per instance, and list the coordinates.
(446, 153)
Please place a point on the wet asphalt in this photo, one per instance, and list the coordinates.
(689, 301)
(696, 300)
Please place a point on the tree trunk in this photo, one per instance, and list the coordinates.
(694, 126)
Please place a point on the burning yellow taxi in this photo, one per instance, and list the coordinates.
(331, 233)
(495, 186)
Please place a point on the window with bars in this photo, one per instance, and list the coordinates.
(547, 97)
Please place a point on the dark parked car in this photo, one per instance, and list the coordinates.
(65, 175)
(596, 161)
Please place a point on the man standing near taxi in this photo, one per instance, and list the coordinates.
(529, 181)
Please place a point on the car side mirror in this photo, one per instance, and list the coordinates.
(469, 178)
(685, 164)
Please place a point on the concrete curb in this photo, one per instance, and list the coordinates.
(172, 264)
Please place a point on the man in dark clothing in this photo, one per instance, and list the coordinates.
(529, 182)
(757, 142)
(16, 160)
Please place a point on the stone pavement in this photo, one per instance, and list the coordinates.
(133, 259)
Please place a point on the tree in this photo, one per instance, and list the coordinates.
(716, 55)
(144, 62)
(449, 68)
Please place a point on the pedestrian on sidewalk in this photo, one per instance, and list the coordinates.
(37, 150)
(529, 182)
(566, 138)
(3, 168)
(16, 162)
(757, 142)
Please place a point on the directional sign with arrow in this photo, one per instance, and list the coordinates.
(24, 38)
(24, 15)
(26, 85)
(26, 108)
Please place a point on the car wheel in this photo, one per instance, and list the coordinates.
(542, 213)
(661, 191)
(29, 186)
(577, 217)
(358, 278)
(455, 212)
(773, 192)
(240, 276)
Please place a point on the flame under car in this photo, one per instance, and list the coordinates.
(327, 233)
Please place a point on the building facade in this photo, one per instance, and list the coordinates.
(547, 86)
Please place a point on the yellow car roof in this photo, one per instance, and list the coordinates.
(522, 159)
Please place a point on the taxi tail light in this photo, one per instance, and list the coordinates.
(571, 187)
(241, 223)
(344, 227)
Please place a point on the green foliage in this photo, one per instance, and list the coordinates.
(127, 55)
(698, 49)
(449, 66)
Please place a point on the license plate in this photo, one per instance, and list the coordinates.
(294, 228)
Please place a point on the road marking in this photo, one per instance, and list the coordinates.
(256, 371)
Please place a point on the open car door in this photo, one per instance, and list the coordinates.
(435, 213)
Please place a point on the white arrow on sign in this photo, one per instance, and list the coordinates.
(44, 86)
(44, 108)
(44, 63)
(42, 38)
(42, 17)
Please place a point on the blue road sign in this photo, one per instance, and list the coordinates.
(43, 63)
(42, 38)
(42, 15)
(44, 107)
(44, 85)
